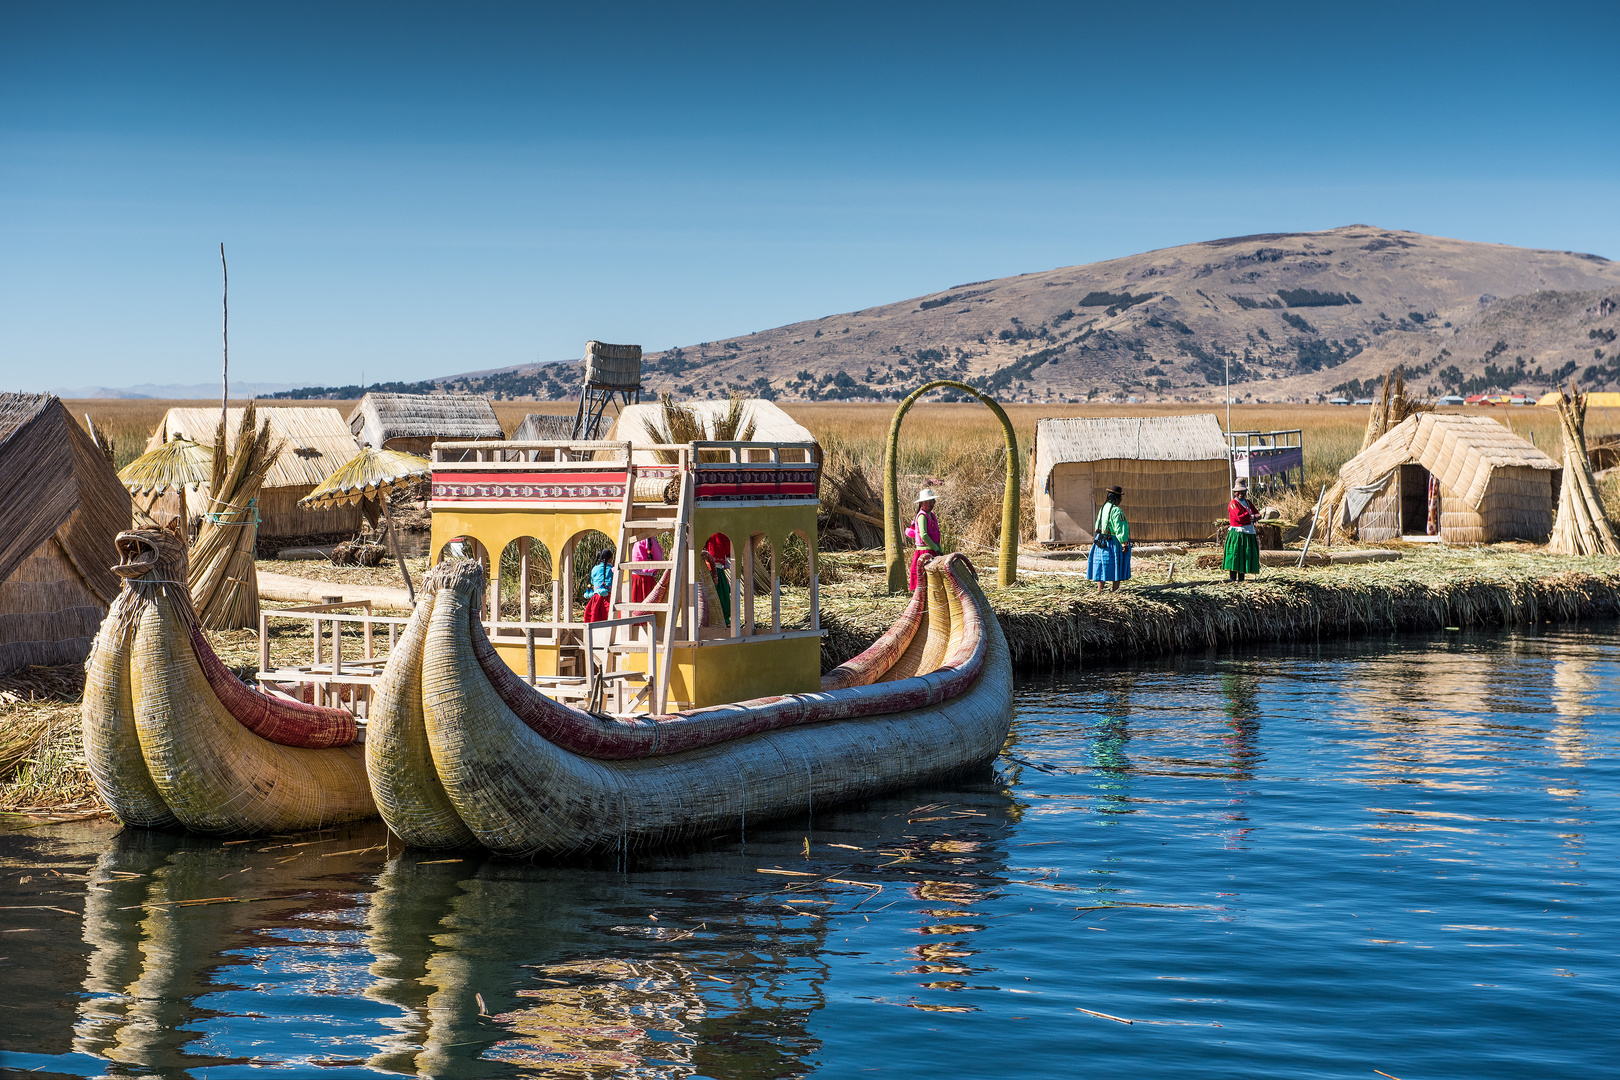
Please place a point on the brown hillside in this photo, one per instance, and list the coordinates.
(1295, 314)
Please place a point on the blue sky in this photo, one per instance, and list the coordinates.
(408, 190)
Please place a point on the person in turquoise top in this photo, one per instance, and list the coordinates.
(601, 590)
(1110, 544)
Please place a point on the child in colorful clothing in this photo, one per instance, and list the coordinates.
(923, 532)
(1110, 543)
(1242, 545)
(597, 596)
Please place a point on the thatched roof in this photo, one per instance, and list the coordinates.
(53, 481)
(317, 441)
(544, 427)
(1060, 440)
(1461, 450)
(771, 424)
(380, 417)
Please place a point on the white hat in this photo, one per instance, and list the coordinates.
(926, 495)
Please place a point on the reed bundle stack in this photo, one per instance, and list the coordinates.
(675, 423)
(1581, 527)
(317, 443)
(1174, 471)
(60, 506)
(223, 577)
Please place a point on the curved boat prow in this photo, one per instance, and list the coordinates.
(173, 738)
(460, 748)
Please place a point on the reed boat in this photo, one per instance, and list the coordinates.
(174, 739)
(461, 750)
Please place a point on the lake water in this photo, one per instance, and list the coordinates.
(1321, 862)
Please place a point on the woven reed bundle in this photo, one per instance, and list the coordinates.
(224, 578)
(1581, 527)
(161, 744)
(519, 792)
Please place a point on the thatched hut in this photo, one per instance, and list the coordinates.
(1487, 483)
(1174, 469)
(544, 427)
(61, 506)
(414, 422)
(316, 443)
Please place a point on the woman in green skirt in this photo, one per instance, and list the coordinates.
(1242, 545)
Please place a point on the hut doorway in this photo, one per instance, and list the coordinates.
(1414, 480)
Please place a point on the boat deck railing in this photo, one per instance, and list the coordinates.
(348, 682)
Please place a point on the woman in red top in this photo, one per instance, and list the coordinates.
(718, 549)
(1242, 545)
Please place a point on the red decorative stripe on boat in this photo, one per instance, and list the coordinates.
(290, 723)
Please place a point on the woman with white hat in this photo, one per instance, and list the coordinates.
(1110, 559)
(1242, 545)
(924, 534)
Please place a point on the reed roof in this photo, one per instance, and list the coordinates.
(544, 427)
(55, 482)
(380, 417)
(1061, 440)
(316, 440)
(1461, 450)
(370, 472)
(771, 424)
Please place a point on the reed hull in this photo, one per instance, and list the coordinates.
(518, 792)
(167, 734)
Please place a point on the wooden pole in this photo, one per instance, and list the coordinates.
(393, 545)
(225, 332)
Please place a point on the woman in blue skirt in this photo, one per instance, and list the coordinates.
(1110, 544)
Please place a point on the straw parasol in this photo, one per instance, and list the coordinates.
(175, 464)
(369, 474)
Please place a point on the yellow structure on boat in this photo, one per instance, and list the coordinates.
(544, 508)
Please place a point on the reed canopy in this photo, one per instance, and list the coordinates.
(1465, 479)
(372, 474)
(178, 463)
(1175, 471)
(61, 506)
(368, 474)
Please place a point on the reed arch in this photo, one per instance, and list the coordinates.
(1007, 561)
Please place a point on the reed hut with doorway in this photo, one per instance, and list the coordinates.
(414, 422)
(316, 444)
(1174, 469)
(61, 507)
(1471, 476)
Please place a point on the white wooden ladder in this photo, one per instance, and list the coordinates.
(636, 521)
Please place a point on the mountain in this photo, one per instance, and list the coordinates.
(1293, 315)
(173, 392)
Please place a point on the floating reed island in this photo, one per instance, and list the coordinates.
(1054, 619)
